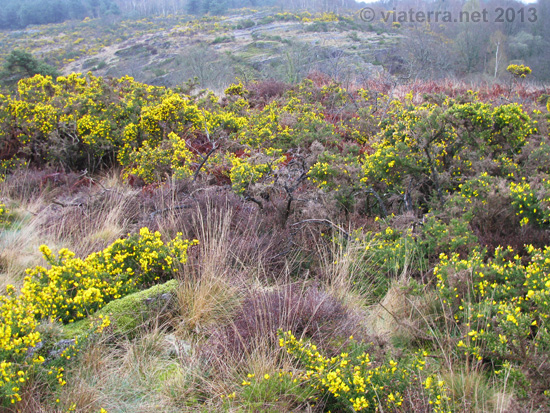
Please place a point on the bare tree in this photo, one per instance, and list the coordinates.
(497, 43)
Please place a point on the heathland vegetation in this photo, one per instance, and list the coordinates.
(310, 242)
(348, 248)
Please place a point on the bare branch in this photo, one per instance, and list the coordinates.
(323, 221)
(204, 161)
(380, 202)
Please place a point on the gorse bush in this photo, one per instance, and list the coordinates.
(246, 171)
(419, 143)
(72, 289)
(415, 152)
(519, 71)
(354, 381)
(532, 203)
(500, 306)
(297, 123)
(4, 215)
(153, 164)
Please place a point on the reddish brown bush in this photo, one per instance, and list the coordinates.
(265, 90)
(307, 311)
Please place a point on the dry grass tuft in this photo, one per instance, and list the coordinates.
(144, 374)
(344, 272)
(472, 391)
(85, 219)
(19, 244)
(90, 221)
(209, 287)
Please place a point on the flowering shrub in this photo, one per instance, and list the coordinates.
(4, 215)
(74, 287)
(280, 388)
(247, 171)
(173, 114)
(335, 171)
(82, 121)
(519, 71)
(71, 289)
(75, 120)
(236, 90)
(353, 381)
(286, 126)
(500, 305)
(418, 144)
(170, 157)
(392, 252)
(532, 201)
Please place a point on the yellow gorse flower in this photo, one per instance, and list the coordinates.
(70, 289)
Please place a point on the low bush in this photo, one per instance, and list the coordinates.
(72, 289)
(308, 311)
(354, 381)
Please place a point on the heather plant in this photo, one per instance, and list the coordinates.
(307, 310)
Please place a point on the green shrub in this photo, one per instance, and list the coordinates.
(73, 288)
(499, 305)
(354, 381)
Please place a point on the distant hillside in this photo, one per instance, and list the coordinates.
(248, 45)
(169, 42)
(17, 14)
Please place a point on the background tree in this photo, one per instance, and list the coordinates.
(20, 64)
(496, 48)
(471, 40)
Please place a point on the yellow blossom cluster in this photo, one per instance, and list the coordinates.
(519, 71)
(4, 215)
(532, 201)
(247, 171)
(285, 126)
(72, 288)
(153, 164)
(355, 381)
(504, 306)
(422, 141)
